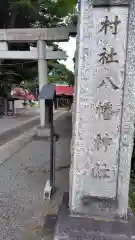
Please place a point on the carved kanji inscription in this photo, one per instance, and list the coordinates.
(104, 141)
(105, 110)
(107, 81)
(108, 56)
(101, 171)
(107, 24)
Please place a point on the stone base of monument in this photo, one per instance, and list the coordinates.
(43, 132)
(83, 228)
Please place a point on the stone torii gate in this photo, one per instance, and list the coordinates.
(41, 36)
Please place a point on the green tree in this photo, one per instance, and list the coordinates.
(12, 18)
(32, 13)
(49, 13)
(59, 73)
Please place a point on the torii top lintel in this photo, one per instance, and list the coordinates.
(34, 34)
(100, 3)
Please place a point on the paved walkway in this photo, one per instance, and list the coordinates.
(7, 122)
(22, 180)
(11, 127)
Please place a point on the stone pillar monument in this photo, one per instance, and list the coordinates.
(103, 125)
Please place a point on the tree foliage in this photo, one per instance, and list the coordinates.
(59, 73)
(33, 13)
(48, 13)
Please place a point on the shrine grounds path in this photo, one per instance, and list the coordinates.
(22, 180)
(13, 126)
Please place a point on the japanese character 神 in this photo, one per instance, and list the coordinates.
(100, 142)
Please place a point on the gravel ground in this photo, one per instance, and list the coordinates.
(22, 180)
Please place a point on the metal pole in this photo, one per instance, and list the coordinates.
(42, 74)
(13, 107)
(52, 152)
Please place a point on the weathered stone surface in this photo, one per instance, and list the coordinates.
(35, 34)
(97, 166)
(31, 55)
(128, 113)
(111, 2)
(74, 228)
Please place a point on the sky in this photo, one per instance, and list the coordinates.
(70, 48)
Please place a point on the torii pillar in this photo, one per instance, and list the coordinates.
(43, 79)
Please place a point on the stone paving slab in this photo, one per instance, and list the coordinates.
(16, 130)
(8, 122)
(12, 127)
(22, 181)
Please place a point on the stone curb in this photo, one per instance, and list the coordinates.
(10, 148)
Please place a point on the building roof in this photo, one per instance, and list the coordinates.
(64, 90)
